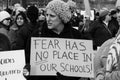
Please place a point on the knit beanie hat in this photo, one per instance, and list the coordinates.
(103, 13)
(4, 15)
(61, 9)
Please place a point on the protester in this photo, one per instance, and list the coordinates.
(113, 24)
(100, 59)
(27, 29)
(20, 21)
(99, 30)
(5, 20)
(96, 16)
(105, 61)
(113, 62)
(57, 25)
(75, 19)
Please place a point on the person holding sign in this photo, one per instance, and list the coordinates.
(57, 25)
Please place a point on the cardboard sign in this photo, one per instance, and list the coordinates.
(11, 65)
(70, 57)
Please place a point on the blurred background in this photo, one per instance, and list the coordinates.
(98, 4)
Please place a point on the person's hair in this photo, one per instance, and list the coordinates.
(23, 15)
(32, 13)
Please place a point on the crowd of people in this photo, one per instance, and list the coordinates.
(58, 20)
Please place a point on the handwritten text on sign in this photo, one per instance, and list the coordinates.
(11, 65)
(68, 56)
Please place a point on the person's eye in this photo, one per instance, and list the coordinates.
(52, 15)
(46, 14)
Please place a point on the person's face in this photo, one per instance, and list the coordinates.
(108, 17)
(53, 21)
(20, 20)
(7, 21)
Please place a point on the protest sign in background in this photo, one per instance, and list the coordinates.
(70, 57)
(86, 15)
(11, 65)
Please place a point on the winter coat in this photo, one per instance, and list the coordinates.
(13, 33)
(22, 36)
(113, 61)
(99, 33)
(4, 43)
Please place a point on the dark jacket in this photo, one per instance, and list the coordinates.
(99, 33)
(22, 36)
(68, 32)
(113, 26)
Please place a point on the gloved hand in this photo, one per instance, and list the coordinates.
(26, 70)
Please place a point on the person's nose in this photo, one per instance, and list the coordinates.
(48, 18)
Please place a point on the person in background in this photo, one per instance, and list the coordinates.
(81, 24)
(113, 58)
(41, 17)
(113, 24)
(100, 59)
(27, 29)
(57, 25)
(105, 67)
(5, 20)
(99, 30)
(20, 21)
(4, 43)
(75, 19)
(96, 16)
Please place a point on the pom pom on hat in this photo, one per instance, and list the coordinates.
(4, 15)
(61, 9)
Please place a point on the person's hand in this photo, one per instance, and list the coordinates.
(100, 77)
(25, 72)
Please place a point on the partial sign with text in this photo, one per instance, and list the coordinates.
(71, 57)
